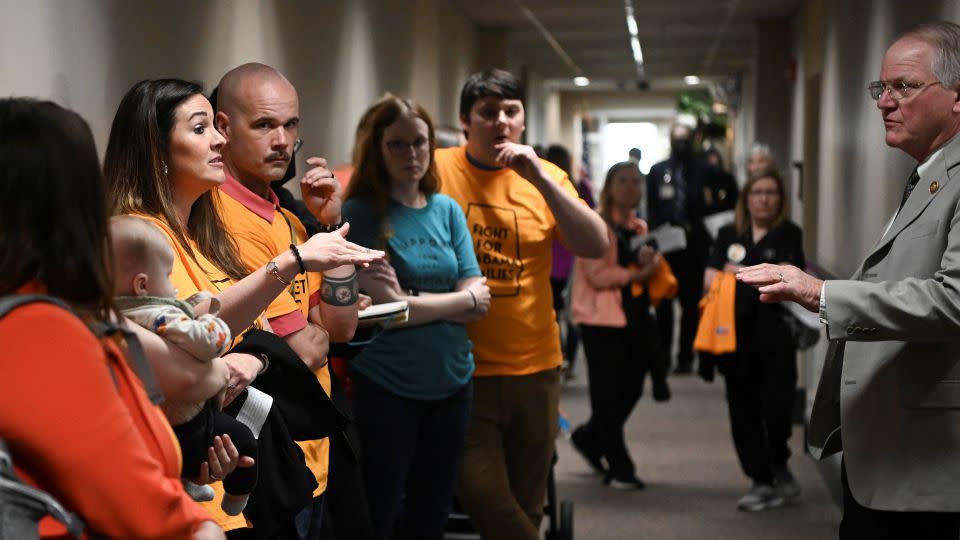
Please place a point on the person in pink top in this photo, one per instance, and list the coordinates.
(620, 336)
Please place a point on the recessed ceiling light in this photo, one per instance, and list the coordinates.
(691, 80)
(581, 81)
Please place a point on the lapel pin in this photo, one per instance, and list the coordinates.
(934, 186)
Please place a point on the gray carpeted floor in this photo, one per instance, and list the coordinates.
(685, 455)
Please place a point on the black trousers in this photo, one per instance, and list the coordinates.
(860, 522)
(414, 450)
(761, 384)
(617, 363)
(196, 436)
(689, 270)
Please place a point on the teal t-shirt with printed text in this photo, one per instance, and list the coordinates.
(430, 248)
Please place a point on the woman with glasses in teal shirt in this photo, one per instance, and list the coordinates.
(412, 386)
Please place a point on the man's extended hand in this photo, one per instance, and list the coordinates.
(781, 282)
(522, 159)
(321, 192)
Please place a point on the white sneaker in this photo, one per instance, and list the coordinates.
(760, 497)
(198, 492)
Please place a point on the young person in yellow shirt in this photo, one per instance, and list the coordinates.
(515, 205)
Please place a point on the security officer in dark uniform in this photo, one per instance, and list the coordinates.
(721, 191)
(676, 191)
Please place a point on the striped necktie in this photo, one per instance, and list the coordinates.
(911, 183)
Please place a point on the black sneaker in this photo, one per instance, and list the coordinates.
(593, 458)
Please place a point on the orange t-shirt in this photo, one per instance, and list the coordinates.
(90, 438)
(191, 276)
(513, 230)
(262, 230)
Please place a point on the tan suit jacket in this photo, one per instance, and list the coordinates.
(889, 394)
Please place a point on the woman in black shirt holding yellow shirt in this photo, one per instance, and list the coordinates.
(761, 377)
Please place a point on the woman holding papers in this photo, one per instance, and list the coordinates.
(612, 297)
(412, 385)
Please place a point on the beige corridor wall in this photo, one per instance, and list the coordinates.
(861, 179)
(341, 55)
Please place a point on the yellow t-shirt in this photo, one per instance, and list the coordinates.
(513, 230)
(191, 276)
(262, 230)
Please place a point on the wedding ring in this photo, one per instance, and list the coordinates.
(215, 478)
(781, 277)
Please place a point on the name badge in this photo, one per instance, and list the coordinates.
(736, 253)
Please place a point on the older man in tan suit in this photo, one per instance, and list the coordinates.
(889, 396)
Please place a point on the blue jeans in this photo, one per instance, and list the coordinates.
(411, 456)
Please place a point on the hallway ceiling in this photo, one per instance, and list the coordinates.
(714, 39)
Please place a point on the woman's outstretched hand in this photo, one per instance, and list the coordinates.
(325, 251)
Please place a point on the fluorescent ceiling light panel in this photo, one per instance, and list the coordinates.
(637, 53)
(581, 81)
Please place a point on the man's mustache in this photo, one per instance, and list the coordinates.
(272, 156)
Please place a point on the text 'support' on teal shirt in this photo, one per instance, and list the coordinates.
(431, 250)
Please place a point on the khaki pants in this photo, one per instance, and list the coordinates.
(509, 452)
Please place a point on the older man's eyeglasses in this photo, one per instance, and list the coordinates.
(897, 90)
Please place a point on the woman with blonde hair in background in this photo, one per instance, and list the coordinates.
(619, 331)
